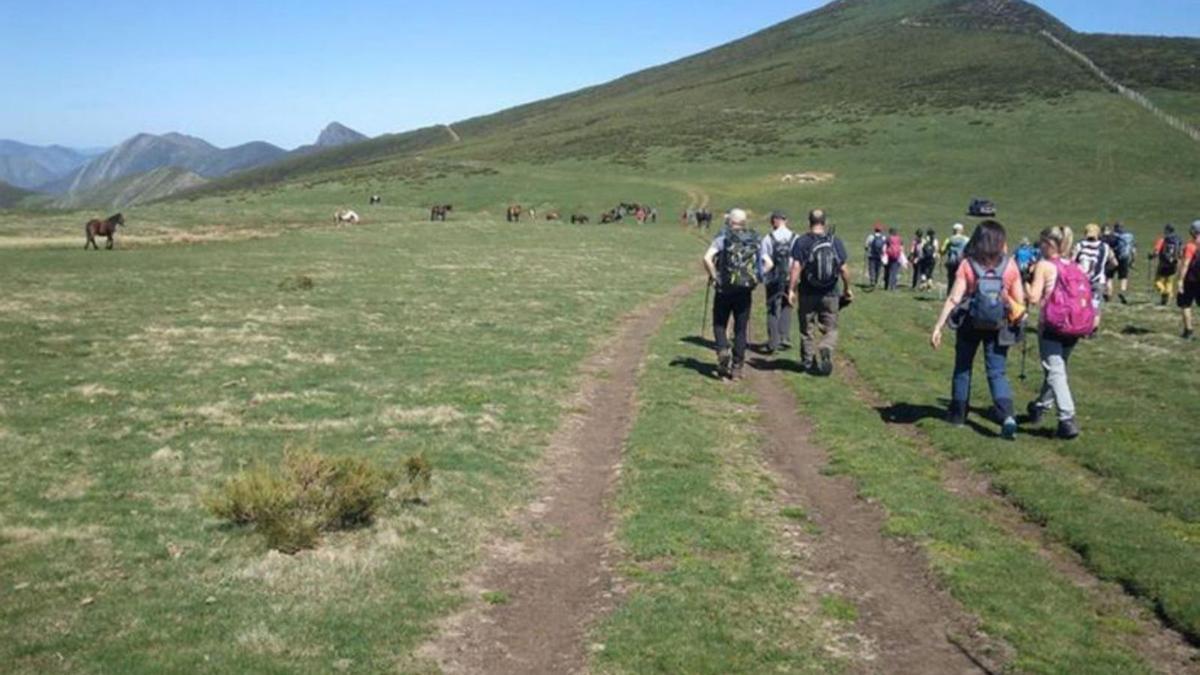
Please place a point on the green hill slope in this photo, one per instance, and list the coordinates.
(135, 189)
(965, 95)
(11, 196)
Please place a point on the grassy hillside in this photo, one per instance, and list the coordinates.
(11, 196)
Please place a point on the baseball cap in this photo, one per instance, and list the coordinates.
(958, 227)
(780, 215)
(1196, 227)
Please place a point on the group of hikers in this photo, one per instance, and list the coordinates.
(990, 292)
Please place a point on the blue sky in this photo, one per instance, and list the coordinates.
(87, 73)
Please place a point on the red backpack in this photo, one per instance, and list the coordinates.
(1069, 312)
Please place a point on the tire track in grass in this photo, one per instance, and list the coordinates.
(536, 596)
(917, 627)
(1165, 649)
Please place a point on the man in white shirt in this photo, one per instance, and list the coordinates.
(777, 248)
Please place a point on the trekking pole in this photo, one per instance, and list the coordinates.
(1024, 354)
(704, 311)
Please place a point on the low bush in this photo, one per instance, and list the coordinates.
(309, 493)
(300, 282)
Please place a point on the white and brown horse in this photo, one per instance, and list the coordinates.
(345, 217)
(102, 228)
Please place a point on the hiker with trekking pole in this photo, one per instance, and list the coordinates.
(735, 266)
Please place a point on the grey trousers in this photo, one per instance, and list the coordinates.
(779, 318)
(1056, 389)
(817, 312)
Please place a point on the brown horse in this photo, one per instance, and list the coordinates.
(439, 212)
(102, 228)
(552, 216)
(513, 215)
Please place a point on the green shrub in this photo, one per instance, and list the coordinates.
(419, 473)
(300, 282)
(307, 494)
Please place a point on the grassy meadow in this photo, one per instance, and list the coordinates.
(137, 380)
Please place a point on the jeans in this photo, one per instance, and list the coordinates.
(735, 303)
(817, 311)
(779, 317)
(995, 361)
(875, 268)
(951, 275)
(1056, 390)
(893, 275)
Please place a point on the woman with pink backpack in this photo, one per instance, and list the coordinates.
(1068, 314)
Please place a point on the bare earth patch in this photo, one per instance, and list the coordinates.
(547, 587)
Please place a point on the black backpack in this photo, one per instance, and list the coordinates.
(739, 260)
(1168, 257)
(929, 250)
(823, 267)
(878, 244)
(781, 258)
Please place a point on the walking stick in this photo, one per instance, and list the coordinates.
(704, 312)
(1024, 354)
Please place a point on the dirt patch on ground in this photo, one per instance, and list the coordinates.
(914, 626)
(549, 585)
(1163, 648)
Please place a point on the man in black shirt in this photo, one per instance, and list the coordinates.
(818, 264)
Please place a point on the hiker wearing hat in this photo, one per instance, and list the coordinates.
(777, 247)
(875, 246)
(735, 265)
(1189, 282)
(1097, 260)
(953, 251)
(818, 263)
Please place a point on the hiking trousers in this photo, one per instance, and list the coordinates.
(875, 269)
(995, 362)
(817, 312)
(779, 317)
(1056, 390)
(733, 304)
(893, 275)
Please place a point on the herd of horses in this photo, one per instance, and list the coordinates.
(437, 213)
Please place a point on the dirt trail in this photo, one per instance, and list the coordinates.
(915, 627)
(453, 134)
(556, 578)
(1166, 650)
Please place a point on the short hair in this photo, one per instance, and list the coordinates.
(1091, 231)
(1169, 229)
(816, 217)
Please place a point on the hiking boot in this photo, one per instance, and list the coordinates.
(824, 366)
(1163, 301)
(1122, 298)
(785, 346)
(1035, 411)
(956, 416)
(737, 373)
(1068, 429)
(724, 361)
(1008, 430)
(1189, 335)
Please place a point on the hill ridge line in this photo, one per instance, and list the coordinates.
(1132, 94)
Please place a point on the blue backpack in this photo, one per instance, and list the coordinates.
(987, 308)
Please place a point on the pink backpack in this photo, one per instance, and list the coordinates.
(1069, 312)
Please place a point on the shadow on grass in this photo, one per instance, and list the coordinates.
(704, 368)
(780, 365)
(698, 341)
(909, 414)
(1135, 330)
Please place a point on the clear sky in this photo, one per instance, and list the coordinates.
(93, 72)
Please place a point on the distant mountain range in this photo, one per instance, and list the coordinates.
(30, 166)
(144, 167)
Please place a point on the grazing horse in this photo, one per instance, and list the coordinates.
(513, 215)
(578, 219)
(552, 215)
(376, 199)
(704, 218)
(345, 217)
(102, 228)
(439, 211)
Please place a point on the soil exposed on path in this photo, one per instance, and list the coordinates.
(915, 626)
(551, 583)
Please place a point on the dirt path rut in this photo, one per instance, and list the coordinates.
(555, 580)
(914, 626)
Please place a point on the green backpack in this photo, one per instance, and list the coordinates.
(739, 260)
